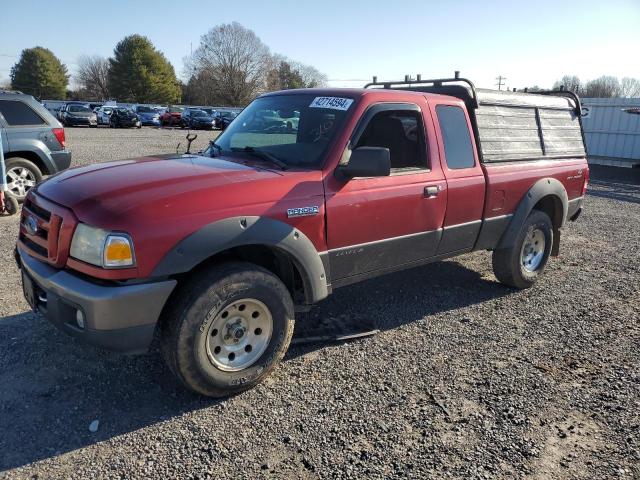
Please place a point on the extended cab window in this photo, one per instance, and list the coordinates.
(456, 137)
(18, 113)
(402, 133)
(455, 134)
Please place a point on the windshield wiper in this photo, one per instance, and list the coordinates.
(263, 155)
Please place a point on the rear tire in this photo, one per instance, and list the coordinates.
(22, 175)
(227, 329)
(522, 264)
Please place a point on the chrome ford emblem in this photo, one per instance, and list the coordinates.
(31, 225)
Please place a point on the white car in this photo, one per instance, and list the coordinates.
(104, 114)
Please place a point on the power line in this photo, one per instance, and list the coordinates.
(500, 80)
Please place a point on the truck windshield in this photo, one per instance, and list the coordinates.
(295, 129)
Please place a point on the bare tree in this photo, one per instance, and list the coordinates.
(630, 87)
(569, 82)
(602, 87)
(311, 76)
(92, 75)
(236, 62)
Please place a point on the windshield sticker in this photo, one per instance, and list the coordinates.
(335, 103)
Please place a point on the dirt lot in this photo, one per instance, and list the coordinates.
(468, 379)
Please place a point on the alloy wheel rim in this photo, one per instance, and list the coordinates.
(20, 180)
(533, 248)
(239, 335)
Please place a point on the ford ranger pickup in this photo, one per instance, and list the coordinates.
(210, 255)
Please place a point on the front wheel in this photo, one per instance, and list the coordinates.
(11, 205)
(523, 263)
(228, 329)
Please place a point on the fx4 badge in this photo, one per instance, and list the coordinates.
(302, 211)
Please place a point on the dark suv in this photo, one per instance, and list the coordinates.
(33, 142)
(195, 118)
(123, 117)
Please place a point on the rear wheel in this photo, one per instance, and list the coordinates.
(520, 265)
(22, 175)
(227, 329)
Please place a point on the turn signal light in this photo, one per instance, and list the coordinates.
(118, 252)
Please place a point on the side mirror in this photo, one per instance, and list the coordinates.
(367, 162)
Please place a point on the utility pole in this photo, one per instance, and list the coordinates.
(500, 80)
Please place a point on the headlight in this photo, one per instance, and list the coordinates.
(102, 248)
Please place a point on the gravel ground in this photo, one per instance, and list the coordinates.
(467, 379)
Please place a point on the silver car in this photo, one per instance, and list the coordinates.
(104, 114)
(33, 142)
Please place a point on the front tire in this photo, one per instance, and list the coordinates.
(11, 205)
(522, 264)
(227, 329)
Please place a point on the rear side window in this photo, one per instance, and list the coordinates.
(455, 134)
(19, 113)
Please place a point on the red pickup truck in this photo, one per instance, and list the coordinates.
(211, 254)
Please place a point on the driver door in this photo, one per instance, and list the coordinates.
(381, 223)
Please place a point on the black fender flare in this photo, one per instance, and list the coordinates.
(233, 232)
(542, 188)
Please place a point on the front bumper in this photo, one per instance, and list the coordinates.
(127, 122)
(204, 125)
(153, 122)
(117, 317)
(73, 121)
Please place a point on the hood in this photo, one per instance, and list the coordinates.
(180, 185)
(147, 114)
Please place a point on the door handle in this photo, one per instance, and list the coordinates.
(431, 191)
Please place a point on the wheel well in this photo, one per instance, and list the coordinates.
(31, 156)
(277, 261)
(552, 206)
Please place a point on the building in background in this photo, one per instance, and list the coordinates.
(612, 131)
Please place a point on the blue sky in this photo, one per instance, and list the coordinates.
(352, 40)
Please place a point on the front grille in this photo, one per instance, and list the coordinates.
(40, 250)
(41, 212)
(42, 224)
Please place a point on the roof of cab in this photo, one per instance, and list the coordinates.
(352, 92)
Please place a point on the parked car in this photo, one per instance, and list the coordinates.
(171, 116)
(103, 115)
(147, 115)
(79, 115)
(122, 117)
(213, 256)
(195, 119)
(63, 109)
(223, 118)
(33, 142)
